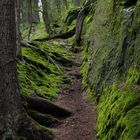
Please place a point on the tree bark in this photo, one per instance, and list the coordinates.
(24, 11)
(35, 12)
(46, 18)
(80, 20)
(19, 38)
(10, 102)
(30, 18)
(65, 35)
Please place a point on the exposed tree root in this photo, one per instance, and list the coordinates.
(41, 66)
(42, 113)
(61, 36)
(30, 130)
(43, 119)
(56, 57)
(44, 106)
(33, 46)
(61, 60)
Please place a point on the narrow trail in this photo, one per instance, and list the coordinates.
(81, 125)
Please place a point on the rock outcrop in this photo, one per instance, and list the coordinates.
(112, 56)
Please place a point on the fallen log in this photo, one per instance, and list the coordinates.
(44, 106)
(60, 36)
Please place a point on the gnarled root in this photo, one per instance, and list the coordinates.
(44, 106)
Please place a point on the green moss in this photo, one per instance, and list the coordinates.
(116, 107)
(90, 97)
(38, 31)
(132, 121)
(54, 47)
(133, 76)
(113, 74)
(42, 128)
(40, 74)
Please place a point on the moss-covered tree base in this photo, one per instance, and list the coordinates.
(31, 130)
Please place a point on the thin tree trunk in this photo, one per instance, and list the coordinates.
(24, 11)
(35, 12)
(80, 20)
(10, 102)
(46, 16)
(30, 18)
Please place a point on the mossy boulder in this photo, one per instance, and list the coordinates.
(113, 74)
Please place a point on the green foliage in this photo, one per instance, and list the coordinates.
(118, 113)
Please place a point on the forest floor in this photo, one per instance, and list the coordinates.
(81, 124)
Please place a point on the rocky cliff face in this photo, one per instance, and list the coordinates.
(112, 57)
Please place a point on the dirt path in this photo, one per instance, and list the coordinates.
(81, 125)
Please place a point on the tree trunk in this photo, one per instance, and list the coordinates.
(24, 11)
(58, 6)
(10, 102)
(30, 18)
(29, 12)
(46, 15)
(80, 20)
(35, 11)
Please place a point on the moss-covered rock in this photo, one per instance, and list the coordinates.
(113, 63)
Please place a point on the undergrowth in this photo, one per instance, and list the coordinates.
(118, 117)
(42, 74)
